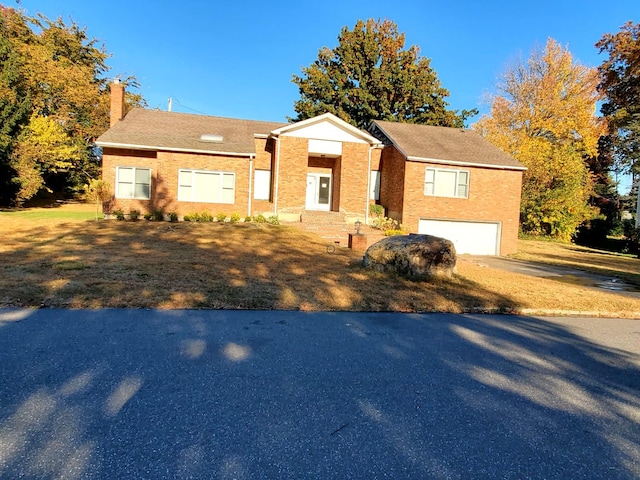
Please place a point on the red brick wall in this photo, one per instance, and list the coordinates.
(292, 181)
(164, 180)
(112, 158)
(354, 175)
(392, 178)
(376, 154)
(349, 176)
(494, 195)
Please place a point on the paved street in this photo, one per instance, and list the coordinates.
(252, 394)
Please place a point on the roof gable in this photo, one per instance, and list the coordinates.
(454, 146)
(326, 127)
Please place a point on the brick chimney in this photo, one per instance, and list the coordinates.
(117, 102)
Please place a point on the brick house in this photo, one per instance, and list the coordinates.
(432, 179)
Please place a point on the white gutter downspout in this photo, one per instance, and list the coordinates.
(277, 179)
(251, 157)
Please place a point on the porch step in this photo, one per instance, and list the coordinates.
(333, 227)
(322, 218)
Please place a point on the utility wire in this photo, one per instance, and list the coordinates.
(188, 108)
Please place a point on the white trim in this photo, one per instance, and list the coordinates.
(456, 184)
(328, 117)
(463, 164)
(171, 149)
(194, 171)
(316, 205)
(133, 182)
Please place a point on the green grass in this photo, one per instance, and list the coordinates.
(60, 214)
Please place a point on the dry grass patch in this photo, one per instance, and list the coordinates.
(600, 262)
(88, 264)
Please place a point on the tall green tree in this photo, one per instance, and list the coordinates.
(371, 76)
(54, 102)
(545, 117)
(620, 84)
(15, 97)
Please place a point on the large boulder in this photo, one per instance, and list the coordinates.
(415, 256)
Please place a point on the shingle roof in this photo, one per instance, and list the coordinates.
(443, 144)
(155, 129)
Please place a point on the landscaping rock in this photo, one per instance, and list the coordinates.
(415, 256)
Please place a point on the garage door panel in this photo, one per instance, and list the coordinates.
(476, 238)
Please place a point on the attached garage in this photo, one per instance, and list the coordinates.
(475, 238)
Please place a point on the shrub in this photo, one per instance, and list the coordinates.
(134, 215)
(221, 217)
(260, 219)
(391, 233)
(235, 218)
(119, 214)
(202, 217)
(188, 217)
(273, 220)
(592, 233)
(157, 215)
(147, 216)
(384, 223)
(247, 219)
(173, 217)
(376, 210)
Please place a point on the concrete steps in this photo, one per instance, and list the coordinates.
(333, 227)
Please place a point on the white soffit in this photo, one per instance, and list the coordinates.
(325, 147)
(325, 131)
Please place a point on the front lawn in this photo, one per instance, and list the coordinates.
(75, 262)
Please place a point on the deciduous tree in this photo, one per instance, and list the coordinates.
(620, 83)
(370, 75)
(545, 117)
(54, 102)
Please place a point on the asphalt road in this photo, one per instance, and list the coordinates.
(250, 395)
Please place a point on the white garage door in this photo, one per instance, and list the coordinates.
(476, 238)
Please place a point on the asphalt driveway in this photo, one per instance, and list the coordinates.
(255, 394)
(562, 274)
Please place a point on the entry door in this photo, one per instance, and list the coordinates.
(318, 191)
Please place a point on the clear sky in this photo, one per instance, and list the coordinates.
(236, 58)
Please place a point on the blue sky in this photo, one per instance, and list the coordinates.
(236, 59)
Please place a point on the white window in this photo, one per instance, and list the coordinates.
(374, 194)
(262, 185)
(206, 186)
(444, 182)
(133, 182)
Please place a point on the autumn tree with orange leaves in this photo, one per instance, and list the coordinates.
(620, 83)
(54, 102)
(545, 116)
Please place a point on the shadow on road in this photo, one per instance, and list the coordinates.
(219, 394)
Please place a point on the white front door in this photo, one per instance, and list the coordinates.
(318, 191)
